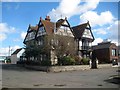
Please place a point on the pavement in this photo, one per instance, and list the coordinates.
(19, 77)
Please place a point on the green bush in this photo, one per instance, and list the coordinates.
(8, 60)
(85, 61)
(77, 60)
(45, 62)
(67, 60)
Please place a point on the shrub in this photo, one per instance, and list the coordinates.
(85, 61)
(77, 60)
(45, 62)
(67, 60)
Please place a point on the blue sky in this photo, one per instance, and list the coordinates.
(16, 16)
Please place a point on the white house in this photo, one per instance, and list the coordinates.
(16, 55)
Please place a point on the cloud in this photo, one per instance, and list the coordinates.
(6, 29)
(74, 7)
(23, 34)
(97, 19)
(100, 31)
(114, 33)
(5, 50)
(2, 36)
(97, 40)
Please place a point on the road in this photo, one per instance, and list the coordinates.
(17, 77)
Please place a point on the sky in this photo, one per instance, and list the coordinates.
(16, 17)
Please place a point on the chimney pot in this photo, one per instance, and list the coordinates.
(40, 18)
(47, 18)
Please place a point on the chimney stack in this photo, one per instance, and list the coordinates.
(47, 18)
(40, 18)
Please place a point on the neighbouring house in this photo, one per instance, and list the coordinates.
(84, 38)
(15, 56)
(81, 36)
(106, 52)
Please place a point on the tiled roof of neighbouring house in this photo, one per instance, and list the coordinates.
(103, 45)
(16, 51)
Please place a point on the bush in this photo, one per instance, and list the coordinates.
(77, 60)
(45, 62)
(67, 60)
(8, 60)
(85, 61)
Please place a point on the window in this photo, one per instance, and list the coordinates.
(113, 52)
(85, 45)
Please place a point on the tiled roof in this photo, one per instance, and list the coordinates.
(49, 26)
(78, 30)
(59, 22)
(103, 45)
(16, 51)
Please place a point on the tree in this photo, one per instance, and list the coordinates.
(62, 45)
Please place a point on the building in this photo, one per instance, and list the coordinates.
(84, 38)
(15, 56)
(106, 52)
(81, 35)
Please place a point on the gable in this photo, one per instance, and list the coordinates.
(87, 26)
(64, 30)
(87, 34)
(30, 35)
(65, 23)
(41, 31)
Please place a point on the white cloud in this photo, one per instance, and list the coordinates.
(5, 29)
(71, 8)
(97, 40)
(2, 37)
(23, 34)
(97, 19)
(114, 34)
(4, 51)
(101, 31)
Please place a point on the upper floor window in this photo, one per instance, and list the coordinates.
(85, 44)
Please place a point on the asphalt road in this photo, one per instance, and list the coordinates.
(17, 77)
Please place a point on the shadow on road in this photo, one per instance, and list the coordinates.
(114, 79)
(14, 67)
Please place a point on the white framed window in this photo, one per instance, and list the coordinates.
(113, 52)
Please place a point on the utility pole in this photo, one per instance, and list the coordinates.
(9, 51)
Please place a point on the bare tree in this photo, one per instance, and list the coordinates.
(62, 45)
